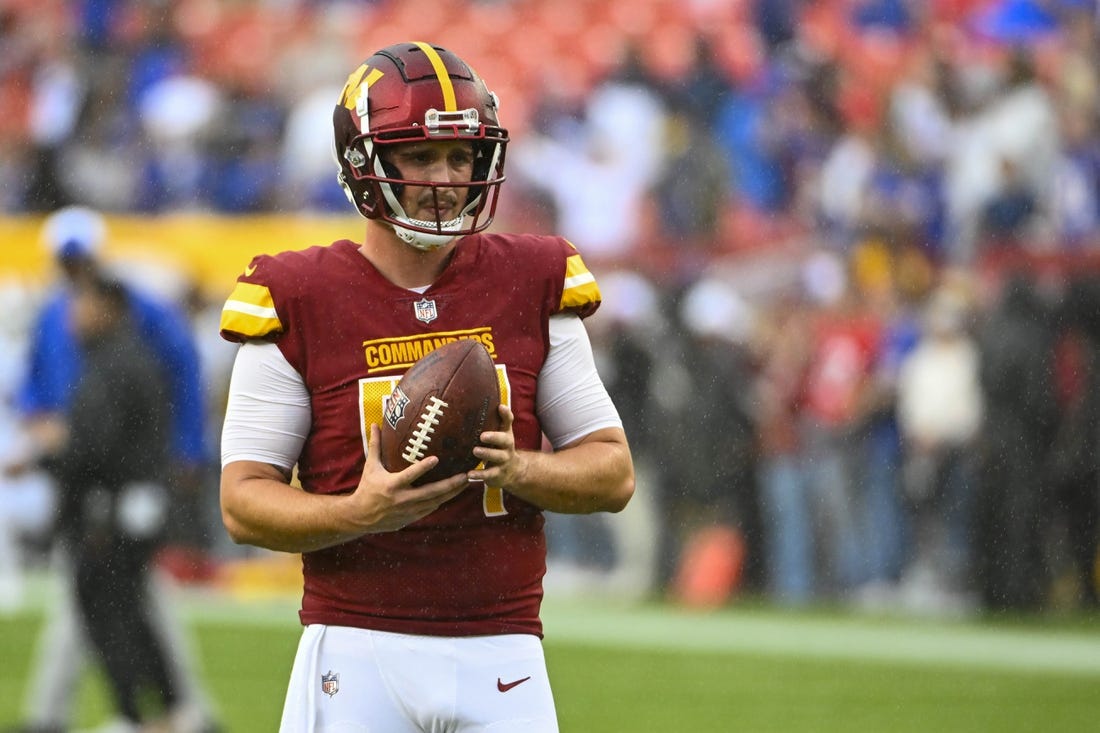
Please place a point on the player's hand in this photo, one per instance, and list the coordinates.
(386, 501)
(502, 463)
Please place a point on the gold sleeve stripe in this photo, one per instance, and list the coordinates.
(253, 294)
(578, 281)
(580, 285)
(250, 311)
(576, 272)
(237, 320)
(449, 102)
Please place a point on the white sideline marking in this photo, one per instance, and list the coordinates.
(897, 641)
(776, 634)
(780, 634)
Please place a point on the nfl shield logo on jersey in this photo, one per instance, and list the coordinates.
(330, 683)
(425, 310)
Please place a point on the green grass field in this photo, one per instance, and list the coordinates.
(656, 668)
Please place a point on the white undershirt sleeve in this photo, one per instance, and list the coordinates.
(267, 417)
(572, 400)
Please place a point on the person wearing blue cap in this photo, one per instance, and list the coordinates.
(75, 237)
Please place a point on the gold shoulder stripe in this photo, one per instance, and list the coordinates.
(250, 312)
(445, 84)
(580, 287)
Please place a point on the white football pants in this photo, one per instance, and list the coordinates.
(348, 680)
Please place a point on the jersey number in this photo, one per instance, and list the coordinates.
(373, 393)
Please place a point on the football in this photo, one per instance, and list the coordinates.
(440, 407)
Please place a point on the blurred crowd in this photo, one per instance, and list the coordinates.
(849, 250)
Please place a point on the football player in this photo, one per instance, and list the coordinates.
(420, 604)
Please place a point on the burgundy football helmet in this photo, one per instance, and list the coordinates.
(408, 92)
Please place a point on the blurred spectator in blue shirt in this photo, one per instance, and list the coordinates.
(74, 236)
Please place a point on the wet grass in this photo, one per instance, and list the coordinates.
(656, 668)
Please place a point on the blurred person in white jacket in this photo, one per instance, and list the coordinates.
(1009, 124)
(940, 407)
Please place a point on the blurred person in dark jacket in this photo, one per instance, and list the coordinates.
(717, 504)
(622, 558)
(75, 238)
(113, 499)
(1016, 345)
(1073, 516)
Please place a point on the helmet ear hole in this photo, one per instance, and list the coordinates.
(393, 173)
(484, 161)
(354, 169)
(483, 158)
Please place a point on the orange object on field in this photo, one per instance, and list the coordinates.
(710, 567)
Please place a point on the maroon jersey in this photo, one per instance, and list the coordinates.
(475, 565)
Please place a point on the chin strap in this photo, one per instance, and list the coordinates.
(426, 241)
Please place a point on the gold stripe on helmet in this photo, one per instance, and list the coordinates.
(449, 103)
(356, 80)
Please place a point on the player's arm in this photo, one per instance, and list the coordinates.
(267, 420)
(591, 469)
